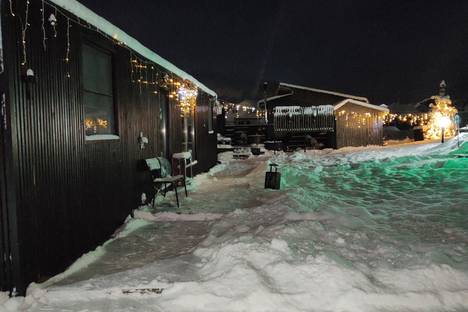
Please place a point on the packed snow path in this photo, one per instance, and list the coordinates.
(370, 229)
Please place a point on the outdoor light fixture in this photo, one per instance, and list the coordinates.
(443, 122)
(29, 78)
(142, 140)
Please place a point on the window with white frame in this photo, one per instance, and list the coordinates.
(97, 91)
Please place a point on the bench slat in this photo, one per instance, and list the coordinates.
(169, 179)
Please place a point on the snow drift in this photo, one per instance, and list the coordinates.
(360, 229)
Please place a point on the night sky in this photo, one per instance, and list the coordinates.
(389, 51)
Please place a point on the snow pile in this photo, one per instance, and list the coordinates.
(84, 261)
(251, 273)
(374, 229)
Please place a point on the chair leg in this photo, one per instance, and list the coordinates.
(185, 182)
(153, 202)
(176, 195)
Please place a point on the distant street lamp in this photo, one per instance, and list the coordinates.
(444, 122)
(457, 123)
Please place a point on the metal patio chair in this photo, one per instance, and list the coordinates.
(161, 174)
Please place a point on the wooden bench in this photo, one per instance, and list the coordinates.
(161, 174)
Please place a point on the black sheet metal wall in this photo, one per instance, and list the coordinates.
(71, 194)
(5, 268)
(5, 263)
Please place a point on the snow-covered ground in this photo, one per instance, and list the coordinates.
(358, 229)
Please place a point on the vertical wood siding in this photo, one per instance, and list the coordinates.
(72, 194)
(351, 133)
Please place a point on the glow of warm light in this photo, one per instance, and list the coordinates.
(89, 123)
(96, 123)
(443, 122)
(187, 97)
(102, 123)
(441, 116)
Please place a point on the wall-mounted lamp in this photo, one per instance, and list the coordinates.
(29, 78)
(142, 140)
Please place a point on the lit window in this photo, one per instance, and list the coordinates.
(97, 91)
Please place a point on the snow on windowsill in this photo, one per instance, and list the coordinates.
(102, 137)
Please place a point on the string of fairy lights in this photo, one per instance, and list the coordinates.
(360, 120)
(238, 109)
(144, 73)
(44, 33)
(441, 111)
(24, 29)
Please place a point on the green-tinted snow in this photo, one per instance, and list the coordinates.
(409, 203)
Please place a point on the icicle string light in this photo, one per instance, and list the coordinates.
(44, 34)
(132, 70)
(187, 98)
(67, 56)
(182, 92)
(54, 23)
(24, 33)
(412, 119)
(11, 8)
(143, 72)
(430, 122)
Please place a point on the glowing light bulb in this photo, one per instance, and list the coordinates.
(443, 121)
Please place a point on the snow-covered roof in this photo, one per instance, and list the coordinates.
(108, 28)
(274, 98)
(320, 110)
(364, 104)
(349, 96)
(247, 102)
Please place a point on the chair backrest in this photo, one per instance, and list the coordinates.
(184, 155)
(159, 167)
(166, 169)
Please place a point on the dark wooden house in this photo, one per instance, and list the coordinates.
(82, 105)
(333, 118)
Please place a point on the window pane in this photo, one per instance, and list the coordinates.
(99, 112)
(97, 91)
(97, 70)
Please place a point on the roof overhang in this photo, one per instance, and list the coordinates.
(272, 98)
(113, 31)
(344, 95)
(363, 104)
